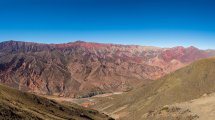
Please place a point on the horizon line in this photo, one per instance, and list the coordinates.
(117, 44)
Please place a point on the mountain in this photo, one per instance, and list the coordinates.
(183, 85)
(19, 105)
(82, 69)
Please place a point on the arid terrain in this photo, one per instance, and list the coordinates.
(146, 102)
(203, 107)
(107, 60)
(125, 82)
(197, 109)
(83, 69)
(17, 105)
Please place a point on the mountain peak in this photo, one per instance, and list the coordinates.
(192, 47)
(78, 41)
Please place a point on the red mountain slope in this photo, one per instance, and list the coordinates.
(84, 69)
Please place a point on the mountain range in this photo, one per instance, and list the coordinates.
(83, 69)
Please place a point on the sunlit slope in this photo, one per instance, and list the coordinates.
(19, 105)
(185, 84)
(82, 69)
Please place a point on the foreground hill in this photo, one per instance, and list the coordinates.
(19, 105)
(183, 85)
(197, 109)
(82, 69)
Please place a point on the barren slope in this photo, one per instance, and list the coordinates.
(19, 105)
(83, 69)
(198, 109)
(185, 84)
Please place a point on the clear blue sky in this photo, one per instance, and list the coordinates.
(163, 23)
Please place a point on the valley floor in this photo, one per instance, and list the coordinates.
(85, 102)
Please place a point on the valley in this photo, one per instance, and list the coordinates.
(184, 85)
(107, 60)
(83, 69)
(123, 82)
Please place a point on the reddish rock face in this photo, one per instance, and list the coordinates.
(85, 69)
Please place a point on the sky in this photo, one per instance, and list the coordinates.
(163, 23)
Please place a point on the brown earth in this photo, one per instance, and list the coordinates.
(185, 84)
(83, 69)
(17, 105)
(202, 108)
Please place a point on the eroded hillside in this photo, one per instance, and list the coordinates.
(82, 69)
